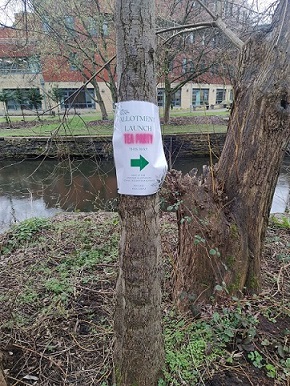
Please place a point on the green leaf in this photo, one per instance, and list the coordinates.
(218, 288)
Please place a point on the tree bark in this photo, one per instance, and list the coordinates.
(139, 347)
(167, 88)
(2, 377)
(168, 101)
(138, 354)
(224, 214)
(100, 100)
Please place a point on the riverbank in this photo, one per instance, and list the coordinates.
(181, 145)
(184, 137)
(57, 283)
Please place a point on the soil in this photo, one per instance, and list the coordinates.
(52, 334)
(274, 325)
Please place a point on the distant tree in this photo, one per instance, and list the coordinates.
(56, 95)
(82, 33)
(20, 97)
(192, 48)
(5, 96)
(35, 98)
(223, 214)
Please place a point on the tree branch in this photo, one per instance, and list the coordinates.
(229, 33)
(186, 26)
(219, 23)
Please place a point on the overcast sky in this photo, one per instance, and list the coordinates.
(7, 10)
(9, 7)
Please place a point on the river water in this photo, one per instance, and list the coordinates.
(41, 188)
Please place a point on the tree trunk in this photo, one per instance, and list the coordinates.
(138, 355)
(2, 377)
(100, 100)
(223, 215)
(6, 112)
(168, 100)
(139, 346)
(112, 86)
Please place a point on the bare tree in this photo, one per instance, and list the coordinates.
(80, 32)
(223, 215)
(193, 45)
(139, 347)
(5, 97)
(187, 48)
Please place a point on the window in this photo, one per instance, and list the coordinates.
(97, 26)
(218, 7)
(191, 38)
(160, 97)
(78, 99)
(73, 65)
(184, 65)
(34, 64)
(170, 65)
(200, 96)
(215, 69)
(104, 24)
(202, 65)
(176, 99)
(26, 65)
(69, 22)
(91, 26)
(46, 24)
(105, 28)
(220, 96)
(30, 99)
(191, 66)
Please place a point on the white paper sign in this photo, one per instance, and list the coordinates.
(138, 151)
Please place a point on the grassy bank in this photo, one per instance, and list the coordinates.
(90, 125)
(57, 284)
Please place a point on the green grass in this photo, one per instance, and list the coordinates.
(78, 126)
(278, 221)
(194, 129)
(97, 116)
(66, 264)
(28, 118)
(188, 113)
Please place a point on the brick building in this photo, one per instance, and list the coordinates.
(30, 59)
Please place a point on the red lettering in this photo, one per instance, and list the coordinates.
(128, 138)
(144, 138)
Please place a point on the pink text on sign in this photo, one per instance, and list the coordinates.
(141, 138)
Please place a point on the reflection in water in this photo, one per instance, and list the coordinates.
(281, 200)
(13, 210)
(40, 188)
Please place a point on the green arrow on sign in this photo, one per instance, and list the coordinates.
(141, 162)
